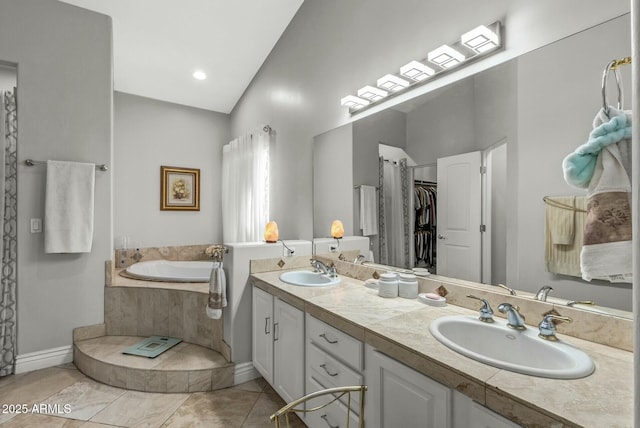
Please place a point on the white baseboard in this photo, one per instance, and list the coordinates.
(43, 359)
(244, 372)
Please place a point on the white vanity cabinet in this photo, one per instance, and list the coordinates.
(333, 359)
(399, 396)
(278, 344)
(467, 413)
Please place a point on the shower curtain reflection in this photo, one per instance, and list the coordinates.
(395, 213)
(8, 216)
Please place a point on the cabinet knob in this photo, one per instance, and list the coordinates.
(267, 330)
(275, 331)
(441, 236)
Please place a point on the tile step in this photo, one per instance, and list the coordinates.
(184, 368)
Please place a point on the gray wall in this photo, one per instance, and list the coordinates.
(333, 181)
(63, 57)
(150, 133)
(332, 48)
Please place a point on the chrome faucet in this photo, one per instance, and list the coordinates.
(548, 328)
(543, 293)
(486, 314)
(360, 258)
(510, 290)
(326, 270)
(514, 318)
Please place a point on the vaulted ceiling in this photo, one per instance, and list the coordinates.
(158, 44)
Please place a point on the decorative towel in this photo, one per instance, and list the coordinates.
(217, 291)
(561, 220)
(368, 210)
(68, 217)
(564, 258)
(606, 251)
(579, 166)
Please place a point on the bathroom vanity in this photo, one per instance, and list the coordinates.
(353, 336)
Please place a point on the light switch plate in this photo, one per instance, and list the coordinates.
(36, 225)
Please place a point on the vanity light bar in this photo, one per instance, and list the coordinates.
(471, 46)
(480, 39)
(416, 70)
(372, 93)
(392, 83)
(354, 102)
(445, 56)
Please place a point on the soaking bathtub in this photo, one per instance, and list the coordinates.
(171, 271)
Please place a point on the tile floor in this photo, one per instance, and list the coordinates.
(63, 397)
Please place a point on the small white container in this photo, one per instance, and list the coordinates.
(388, 285)
(408, 286)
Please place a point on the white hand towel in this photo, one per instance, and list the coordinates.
(68, 219)
(368, 210)
(217, 291)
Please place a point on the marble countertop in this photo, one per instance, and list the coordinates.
(400, 328)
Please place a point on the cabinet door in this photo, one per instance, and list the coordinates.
(288, 343)
(262, 335)
(399, 396)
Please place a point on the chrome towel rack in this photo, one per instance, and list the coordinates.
(31, 162)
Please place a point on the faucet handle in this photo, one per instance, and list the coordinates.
(548, 328)
(486, 313)
(510, 290)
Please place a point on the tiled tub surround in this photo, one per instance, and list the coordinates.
(136, 309)
(399, 328)
(125, 258)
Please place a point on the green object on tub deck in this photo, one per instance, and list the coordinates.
(152, 346)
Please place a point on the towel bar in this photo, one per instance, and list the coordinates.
(31, 162)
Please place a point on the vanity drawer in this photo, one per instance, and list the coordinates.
(334, 415)
(331, 373)
(340, 345)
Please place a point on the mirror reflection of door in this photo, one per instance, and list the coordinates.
(459, 216)
(494, 214)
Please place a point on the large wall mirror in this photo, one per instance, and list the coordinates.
(521, 118)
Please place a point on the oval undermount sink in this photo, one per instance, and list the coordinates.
(306, 278)
(519, 351)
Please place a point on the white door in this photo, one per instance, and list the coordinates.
(288, 344)
(262, 334)
(459, 216)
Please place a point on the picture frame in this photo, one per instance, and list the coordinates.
(179, 189)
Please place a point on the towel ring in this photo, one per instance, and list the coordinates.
(605, 74)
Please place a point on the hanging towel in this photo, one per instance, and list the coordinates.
(564, 258)
(368, 213)
(217, 291)
(579, 166)
(560, 218)
(68, 217)
(606, 251)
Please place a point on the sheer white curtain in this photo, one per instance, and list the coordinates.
(245, 187)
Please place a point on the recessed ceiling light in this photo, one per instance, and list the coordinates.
(199, 75)
(445, 56)
(371, 93)
(416, 70)
(480, 39)
(391, 82)
(354, 102)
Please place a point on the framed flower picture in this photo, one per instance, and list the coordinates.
(179, 189)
